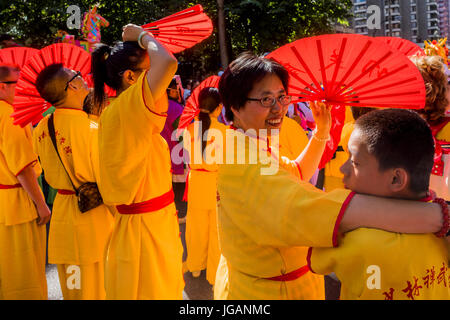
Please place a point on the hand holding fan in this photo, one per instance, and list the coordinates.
(182, 30)
(28, 104)
(350, 70)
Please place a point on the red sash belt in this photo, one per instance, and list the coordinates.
(293, 275)
(154, 204)
(12, 186)
(66, 192)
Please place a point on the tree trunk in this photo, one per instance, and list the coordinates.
(222, 35)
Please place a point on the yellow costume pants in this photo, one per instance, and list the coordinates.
(83, 282)
(202, 242)
(22, 262)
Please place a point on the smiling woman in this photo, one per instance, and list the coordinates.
(266, 221)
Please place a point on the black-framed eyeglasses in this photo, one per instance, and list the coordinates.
(8, 82)
(78, 73)
(269, 101)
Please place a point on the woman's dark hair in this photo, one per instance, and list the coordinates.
(400, 139)
(50, 83)
(240, 77)
(208, 101)
(109, 63)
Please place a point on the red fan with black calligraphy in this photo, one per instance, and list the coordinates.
(350, 70)
(408, 48)
(182, 30)
(191, 110)
(28, 104)
(16, 56)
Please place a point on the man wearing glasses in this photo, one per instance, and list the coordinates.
(77, 241)
(22, 238)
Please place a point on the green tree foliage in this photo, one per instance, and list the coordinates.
(257, 25)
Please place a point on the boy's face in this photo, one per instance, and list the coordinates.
(361, 171)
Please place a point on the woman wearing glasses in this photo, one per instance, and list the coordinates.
(267, 217)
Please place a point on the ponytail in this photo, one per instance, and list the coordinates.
(206, 123)
(208, 100)
(109, 63)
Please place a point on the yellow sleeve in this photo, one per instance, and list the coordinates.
(17, 148)
(95, 162)
(293, 137)
(444, 134)
(279, 209)
(346, 256)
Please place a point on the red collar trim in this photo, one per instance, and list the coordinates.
(431, 195)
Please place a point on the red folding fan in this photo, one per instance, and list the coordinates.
(408, 48)
(192, 109)
(350, 70)
(183, 29)
(16, 55)
(28, 104)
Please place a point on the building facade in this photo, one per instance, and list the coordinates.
(415, 20)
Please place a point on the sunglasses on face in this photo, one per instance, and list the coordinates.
(78, 73)
(8, 82)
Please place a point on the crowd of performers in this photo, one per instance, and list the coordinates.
(259, 236)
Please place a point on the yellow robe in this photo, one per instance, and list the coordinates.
(22, 241)
(264, 217)
(292, 139)
(145, 251)
(74, 238)
(378, 265)
(201, 220)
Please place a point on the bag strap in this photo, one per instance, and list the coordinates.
(51, 130)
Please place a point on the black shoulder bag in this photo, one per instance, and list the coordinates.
(88, 195)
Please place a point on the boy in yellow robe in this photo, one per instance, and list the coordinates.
(390, 155)
(77, 241)
(144, 259)
(22, 238)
